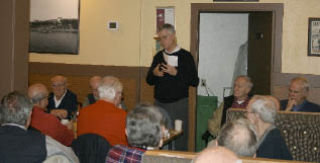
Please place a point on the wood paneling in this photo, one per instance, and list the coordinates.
(14, 43)
(79, 75)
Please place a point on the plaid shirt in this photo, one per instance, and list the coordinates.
(123, 154)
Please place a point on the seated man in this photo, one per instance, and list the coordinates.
(239, 136)
(104, 117)
(262, 112)
(144, 128)
(46, 123)
(239, 99)
(297, 97)
(94, 96)
(62, 102)
(216, 155)
(19, 144)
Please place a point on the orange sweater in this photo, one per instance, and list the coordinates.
(105, 119)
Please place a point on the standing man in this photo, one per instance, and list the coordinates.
(172, 71)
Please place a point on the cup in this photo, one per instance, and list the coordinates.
(64, 121)
(178, 125)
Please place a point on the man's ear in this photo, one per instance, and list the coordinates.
(216, 141)
(126, 132)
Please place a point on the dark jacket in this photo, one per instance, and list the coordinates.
(227, 103)
(18, 145)
(307, 106)
(69, 102)
(274, 146)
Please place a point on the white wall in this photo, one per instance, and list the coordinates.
(221, 35)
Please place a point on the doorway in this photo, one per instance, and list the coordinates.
(264, 40)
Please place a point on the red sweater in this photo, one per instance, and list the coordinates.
(105, 119)
(50, 125)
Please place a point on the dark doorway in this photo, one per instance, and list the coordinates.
(259, 51)
(264, 42)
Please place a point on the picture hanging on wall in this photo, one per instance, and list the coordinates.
(314, 37)
(54, 26)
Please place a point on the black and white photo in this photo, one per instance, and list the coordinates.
(54, 26)
(314, 37)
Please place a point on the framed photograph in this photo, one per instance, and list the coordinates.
(54, 26)
(314, 37)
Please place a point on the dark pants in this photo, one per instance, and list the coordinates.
(178, 110)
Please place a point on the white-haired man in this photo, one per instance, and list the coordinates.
(262, 111)
(18, 144)
(104, 117)
(297, 97)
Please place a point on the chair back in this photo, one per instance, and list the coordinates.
(300, 130)
(91, 148)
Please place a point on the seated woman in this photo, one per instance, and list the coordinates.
(144, 129)
(262, 111)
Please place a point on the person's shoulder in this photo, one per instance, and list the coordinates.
(312, 107)
(275, 135)
(228, 98)
(70, 93)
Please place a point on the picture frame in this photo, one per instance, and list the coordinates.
(314, 37)
(54, 26)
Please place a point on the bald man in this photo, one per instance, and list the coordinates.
(297, 97)
(44, 122)
(216, 154)
(240, 98)
(91, 98)
(62, 102)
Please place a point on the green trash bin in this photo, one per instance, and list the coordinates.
(206, 105)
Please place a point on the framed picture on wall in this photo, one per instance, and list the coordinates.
(314, 37)
(54, 26)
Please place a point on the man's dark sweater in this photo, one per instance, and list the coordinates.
(173, 88)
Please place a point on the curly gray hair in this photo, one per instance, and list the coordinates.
(143, 126)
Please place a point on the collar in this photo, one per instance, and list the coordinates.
(58, 102)
(14, 124)
(176, 49)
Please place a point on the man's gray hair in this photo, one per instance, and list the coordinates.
(303, 81)
(143, 126)
(109, 86)
(35, 99)
(248, 80)
(239, 136)
(16, 108)
(168, 27)
(265, 108)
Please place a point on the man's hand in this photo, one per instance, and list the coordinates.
(157, 72)
(70, 125)
(60, 113)
(169, 69)
(291, 103)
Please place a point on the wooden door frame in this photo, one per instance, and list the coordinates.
(276, 44)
